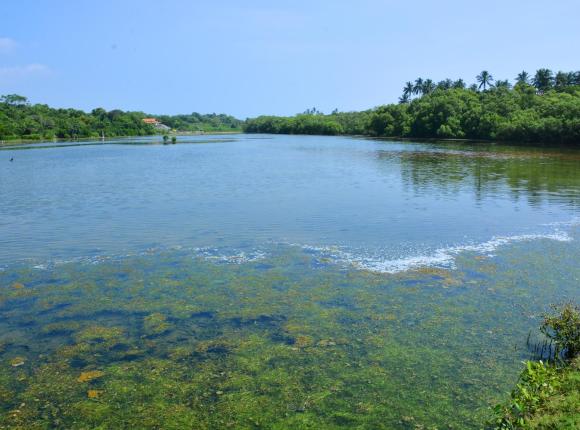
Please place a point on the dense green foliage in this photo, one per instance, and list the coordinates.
(546, 397)
(547, 111)
(198, 122)
(548, 394)
(311, 123)
(21, 120)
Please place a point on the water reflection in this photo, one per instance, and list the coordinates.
(537, 176)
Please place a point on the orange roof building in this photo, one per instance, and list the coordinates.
(150, 121)
(156, 123)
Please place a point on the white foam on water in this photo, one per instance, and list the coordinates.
(217, 255)
(442, 257)
(363, 259)
(574, 222)
(214, 254)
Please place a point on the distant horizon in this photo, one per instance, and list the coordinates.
(263, 59)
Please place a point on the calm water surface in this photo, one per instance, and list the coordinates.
(255, 281)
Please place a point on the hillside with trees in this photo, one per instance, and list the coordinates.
(21, 120)
(543, 108)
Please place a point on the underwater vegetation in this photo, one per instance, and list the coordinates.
(172, 340)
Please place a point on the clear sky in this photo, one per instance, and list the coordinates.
(255, 57)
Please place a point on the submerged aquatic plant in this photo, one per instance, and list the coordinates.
(156, 324)
(93, 394)
(170, 341)
(17, 361)
(90, 375)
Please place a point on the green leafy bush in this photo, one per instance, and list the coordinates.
(537, 383)
(563, 327)
(547, 394)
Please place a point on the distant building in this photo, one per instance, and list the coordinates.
(155, 123)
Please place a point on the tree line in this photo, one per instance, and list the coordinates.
(21, 120)
(542, 108)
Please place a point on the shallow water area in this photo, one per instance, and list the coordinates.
(276, 281)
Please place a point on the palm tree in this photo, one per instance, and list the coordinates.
(523, 78)
(563, 79)
(404, 99)
(484, 79)
(459, 84)
(408, 90)
(418, 88)
(445, 84)
(543, 80)
(503, 84)
(428, 86)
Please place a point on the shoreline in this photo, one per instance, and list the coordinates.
(473, 142)
(15, 142)
(432, 140)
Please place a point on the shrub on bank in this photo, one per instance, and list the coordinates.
(547, 395)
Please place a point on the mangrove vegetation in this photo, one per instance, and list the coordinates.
(542, 108)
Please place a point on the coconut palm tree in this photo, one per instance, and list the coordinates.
(563, 79)
(428, 86)
(445, 84)
(503, 84)
(523, 78)
(543, 80)
(459, 84)
(484, 79)
(404, 99)
(408, 90)
(418, 87)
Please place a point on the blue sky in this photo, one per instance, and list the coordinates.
(254, 57)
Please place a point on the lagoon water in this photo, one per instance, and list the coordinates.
(253, 281)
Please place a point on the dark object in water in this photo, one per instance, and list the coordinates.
(11, 159)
